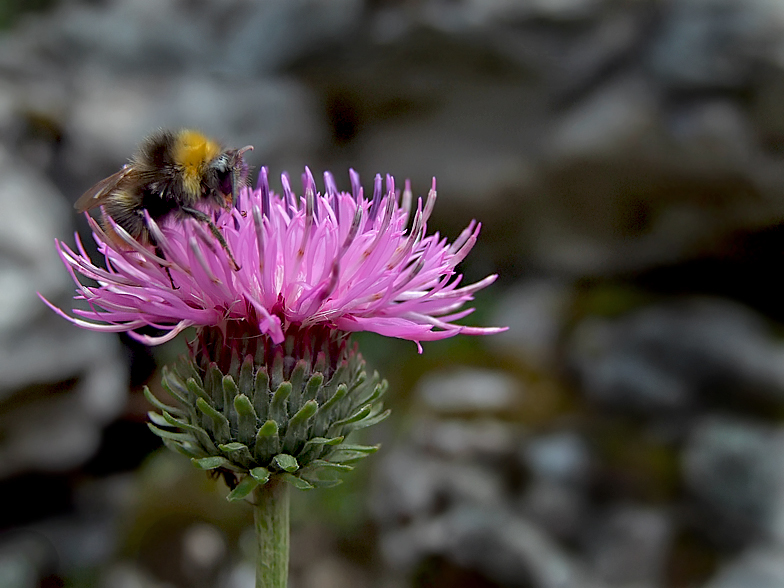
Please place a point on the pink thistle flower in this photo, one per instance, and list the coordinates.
(334, 260)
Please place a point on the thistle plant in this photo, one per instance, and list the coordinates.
(272, 384)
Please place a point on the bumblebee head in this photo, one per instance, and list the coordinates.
(228, 173)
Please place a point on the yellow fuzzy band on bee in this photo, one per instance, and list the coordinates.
(192, 152)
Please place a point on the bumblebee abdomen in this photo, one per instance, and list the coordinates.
(125, 209)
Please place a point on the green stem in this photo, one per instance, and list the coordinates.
(271, 517)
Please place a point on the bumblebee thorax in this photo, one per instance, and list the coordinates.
(192, 152)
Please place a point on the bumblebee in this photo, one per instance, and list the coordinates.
(171, 174)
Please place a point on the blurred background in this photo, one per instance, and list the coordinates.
(625, 159)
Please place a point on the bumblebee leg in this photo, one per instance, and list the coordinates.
(204, 218)
(159, 253)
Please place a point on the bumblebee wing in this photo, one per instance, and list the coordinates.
(98, 193)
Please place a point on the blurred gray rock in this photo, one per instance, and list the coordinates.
(276, 116)
(561, 457)
(334, 572)
(34, 215)
(662, 357)
(614, 40)
(64, 385)
(559, 509)
(713, 43)
(410, 486)
(16, 574)
(475, 14)
(234, 39)
(129, 575)
(535, 312)
(504, 547)
(467, 390)
(60, 384)
(451, 489)
(262, 41)
(629, 546)
(561, 468)
(80, 542)
(758, 567)
(614, 374)
(438, 493)
(466, 439)
(735, 467)
(619, 120)
(205, 554)
(243, 575)
(84, 539)
(479, 167)
(64, 68)
(715, 136)
(565, 10)
(25, 557)
(562, 109)
(124, 35)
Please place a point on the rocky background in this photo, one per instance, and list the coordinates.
(625, 158)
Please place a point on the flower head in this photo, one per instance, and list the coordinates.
(335, 260)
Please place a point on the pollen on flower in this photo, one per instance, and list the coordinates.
(335, 260)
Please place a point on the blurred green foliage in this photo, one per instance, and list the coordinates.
(11, 10)
(609, 298)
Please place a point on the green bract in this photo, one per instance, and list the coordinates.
(284, 418)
